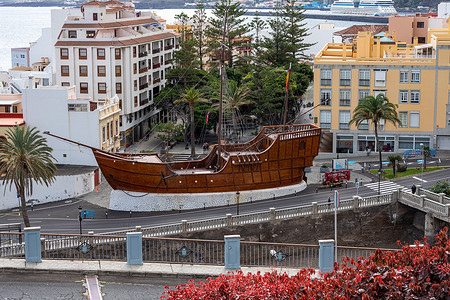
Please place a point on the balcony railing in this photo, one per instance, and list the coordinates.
(143, 86)
(326, 82)
(156, 66)
(142, 70)
(168, 47)
(169, 61)
(156, 51)
(156, 81)
(143, 54)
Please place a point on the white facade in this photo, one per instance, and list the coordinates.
(47, 108)
(443, 10)
(112, 49)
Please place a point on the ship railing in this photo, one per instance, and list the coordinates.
(296, 135)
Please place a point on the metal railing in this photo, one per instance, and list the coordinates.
(357, 252)
(279, 255)
(186, 251)
(11, 245)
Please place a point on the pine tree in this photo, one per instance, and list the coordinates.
(275, 44)
(234, 31)
(199, 26)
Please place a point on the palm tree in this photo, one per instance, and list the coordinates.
(375, 110)
(235, 97)
(25, 159)
(192, 96)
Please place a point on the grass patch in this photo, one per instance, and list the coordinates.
(410, 171)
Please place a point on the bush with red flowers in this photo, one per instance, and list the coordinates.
(415, 272)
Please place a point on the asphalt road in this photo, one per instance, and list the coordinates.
(71, 286)
(62, 217)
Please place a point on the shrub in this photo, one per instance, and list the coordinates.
(420, 272)
(441, 187)
(402, 167)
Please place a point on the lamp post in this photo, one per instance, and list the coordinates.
(238, 195)
(379, 180)
(80, 218)
(423, 159)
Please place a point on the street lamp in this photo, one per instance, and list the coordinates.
(423, 159)
(379, 180)
(80, 218)
(238, 195)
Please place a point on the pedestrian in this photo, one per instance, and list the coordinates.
(413, 189)
(329, 202)
(368, 152)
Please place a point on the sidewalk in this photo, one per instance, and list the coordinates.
(99, 267)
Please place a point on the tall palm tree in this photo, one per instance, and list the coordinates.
(234, 98)
(25, 159)
(375, 109)
(192, 96)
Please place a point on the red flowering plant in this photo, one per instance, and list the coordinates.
(414, 272)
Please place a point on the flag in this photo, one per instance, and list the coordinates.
(337, 199)
(287, 79)
(207, 117)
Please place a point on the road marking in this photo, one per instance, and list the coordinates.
(386, 187)
(423, 180)
(93, 288)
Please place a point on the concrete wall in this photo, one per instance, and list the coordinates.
(43, 46)
(64, 187)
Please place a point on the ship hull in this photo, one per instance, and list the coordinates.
(270, 160)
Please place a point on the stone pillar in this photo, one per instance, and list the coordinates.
(184, 225)
(232, 252)
(429, 227)
(138, 228)
(326, 255)
(229, 220)
(422, 200)
(33, 244)
(441, 197)
(273, 214)
(134, 248)
(315, 210)
(355, 203)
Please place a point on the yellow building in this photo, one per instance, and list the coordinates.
(109, 113)
(415, 77)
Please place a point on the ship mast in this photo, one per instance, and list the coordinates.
(222, 59)
(286, 99)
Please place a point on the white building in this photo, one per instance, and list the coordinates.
(59, 111)
(112, 49)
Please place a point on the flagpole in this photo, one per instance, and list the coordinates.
(287, 97)
(336, 205)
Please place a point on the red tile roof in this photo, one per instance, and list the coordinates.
(353, 30)
(118, 23)
(94, 3)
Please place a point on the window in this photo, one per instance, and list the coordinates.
(101, 71)
(362, 94)
(90, 34)
(420, 25)
(82, 52)
(404, 76)
(325, 97)
(83, 87)
(102, 87)
(134, 51)
(134, 68)
(345, 77)
(403, 116)
(100, 53)
(65, 83)
(344, 144)
(135, 85)
(325, 119)
(325, 77)
(344, 118)
(111, 129)
(403, 94)
(415, 76)
(364, 77)
(380, 77)
(103, 134)
(414, 119)
(118, 71)
(83, 71)
(421, 40)
(95, 16)
(78, 107)
(107, 130)
(135, 101)
(64, 53)
(72, 34)
(344, 98)
(415, 97)
(118, 88)
(117, 53)
(64, 70)
(117, 127)
(364, 125)
(377, 92)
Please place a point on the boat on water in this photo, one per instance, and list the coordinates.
(364, 7)
(276, 157)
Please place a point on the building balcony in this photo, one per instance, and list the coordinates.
(168, 47)
(157, 81)
(143, 54)
(143, 86)
(154, 51)
(156, 66)
(169, 61)
(142, 70)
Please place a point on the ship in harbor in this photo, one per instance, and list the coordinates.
(364, 7)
